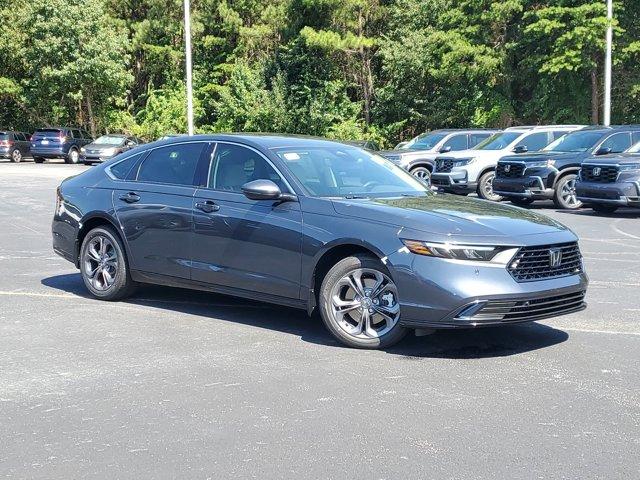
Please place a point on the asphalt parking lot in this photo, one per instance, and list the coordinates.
(179, 384)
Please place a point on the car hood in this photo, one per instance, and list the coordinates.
(101, 146)
(472, 153)
(540, 156)
(448, 216)
(616, 158)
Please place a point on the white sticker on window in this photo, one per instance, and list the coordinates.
(291, 156)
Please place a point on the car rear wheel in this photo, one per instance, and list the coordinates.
(422, 173)
(359, 303)
(104, 266)
(521, 202)
(565, 194)
(485, 187)
(602, 208)
(38, 159)
(73, 156)
(16, 156)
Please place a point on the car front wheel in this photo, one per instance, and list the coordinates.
(16, 156)
(103, 265)
(565, 194)
(485, 187)
(359, 303)
(422, 173)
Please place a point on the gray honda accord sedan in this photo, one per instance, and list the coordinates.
(316, 225)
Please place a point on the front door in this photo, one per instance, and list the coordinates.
(154, 209)
(241, 243)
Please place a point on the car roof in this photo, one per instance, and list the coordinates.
(462, 130)
(611, 128)
(264, 140)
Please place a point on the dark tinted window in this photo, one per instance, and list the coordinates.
(121, 169)
(476, 138)
(5, 136)
(535, 141)
(174, 164)
(233, 166)
(457, 142)
(618, 142)
(76, 133)
(557, 134)
(19, 136)
(48, 133)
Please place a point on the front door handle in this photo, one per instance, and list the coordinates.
(131, 197)
(207, 206)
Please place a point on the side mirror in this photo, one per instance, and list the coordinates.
(400, 145)
(520, 149)
(603, 151)
(131, 143)
(265, 190)
(446, 149)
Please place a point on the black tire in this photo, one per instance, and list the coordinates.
(603, 208)
(422, 173)
(521, 202)
(16, 155)
(73, 156)
(38, 159)
(122, 286)
(485, 188)
(566, 186)
(332, 281)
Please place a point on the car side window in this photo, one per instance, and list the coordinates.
(173, 164)
(535, 141)
(18, 136)
(476, 138)
(121, 169)
(233, 166)
(558, 133)
(635, 137)
(457, 142)
(618, 142)
(76, 133)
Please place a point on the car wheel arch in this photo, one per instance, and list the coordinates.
(327, 258)
(563, 173)
(91, 221)
(421, 163)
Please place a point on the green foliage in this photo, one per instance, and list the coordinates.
(346, 69)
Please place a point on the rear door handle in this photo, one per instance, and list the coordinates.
(131, 197)
(207, 206)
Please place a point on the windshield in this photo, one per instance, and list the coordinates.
(344, 171)
(574, 142)
(499, 141)
(109, 140)
(426, 141)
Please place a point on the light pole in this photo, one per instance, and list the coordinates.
(187, 46)
(607, 65)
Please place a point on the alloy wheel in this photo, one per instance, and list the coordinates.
(16, 156)
(487, 188)
(365, 304)
(422, 174)
(568, 194)
(101, 263)
(73, 156)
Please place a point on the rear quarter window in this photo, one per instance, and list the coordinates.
(122, 169)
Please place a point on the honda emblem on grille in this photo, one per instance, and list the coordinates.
(507, 168)
(596, 171)
(555, 257)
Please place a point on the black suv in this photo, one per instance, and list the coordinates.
(14, 145)
(59, 142)
(551, 173)
(611, 181)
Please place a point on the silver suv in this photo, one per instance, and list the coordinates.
(418, 154)
(473, 170)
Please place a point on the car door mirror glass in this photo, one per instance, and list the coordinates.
(261, 190)
(445, 149)
(520, 149)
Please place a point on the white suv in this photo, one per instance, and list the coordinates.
(472, 170)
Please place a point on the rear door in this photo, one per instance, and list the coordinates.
(253, 245)
(154, 208)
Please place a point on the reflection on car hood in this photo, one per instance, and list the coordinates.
(100, 146)
(540, 156)
(450, 215)
(615, 158)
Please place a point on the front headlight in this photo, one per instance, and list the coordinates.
(83, 150)
(109, 152)
(477, 253)
(545, 163)
(466, 161)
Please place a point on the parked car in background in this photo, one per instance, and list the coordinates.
(418, 154)
(473, 170)
(313, 224)
(552, 172)
(14, 145)
(106, 147)
(610, 181)
(58, 142)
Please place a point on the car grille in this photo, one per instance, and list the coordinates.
(535, 263)
(527, 310)
(444, 165)
(509, 170)
(601, 174)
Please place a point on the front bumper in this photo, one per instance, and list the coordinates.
(626, 194)
(94, 158)
(456, 181)
(522, 187)
(437, 293)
